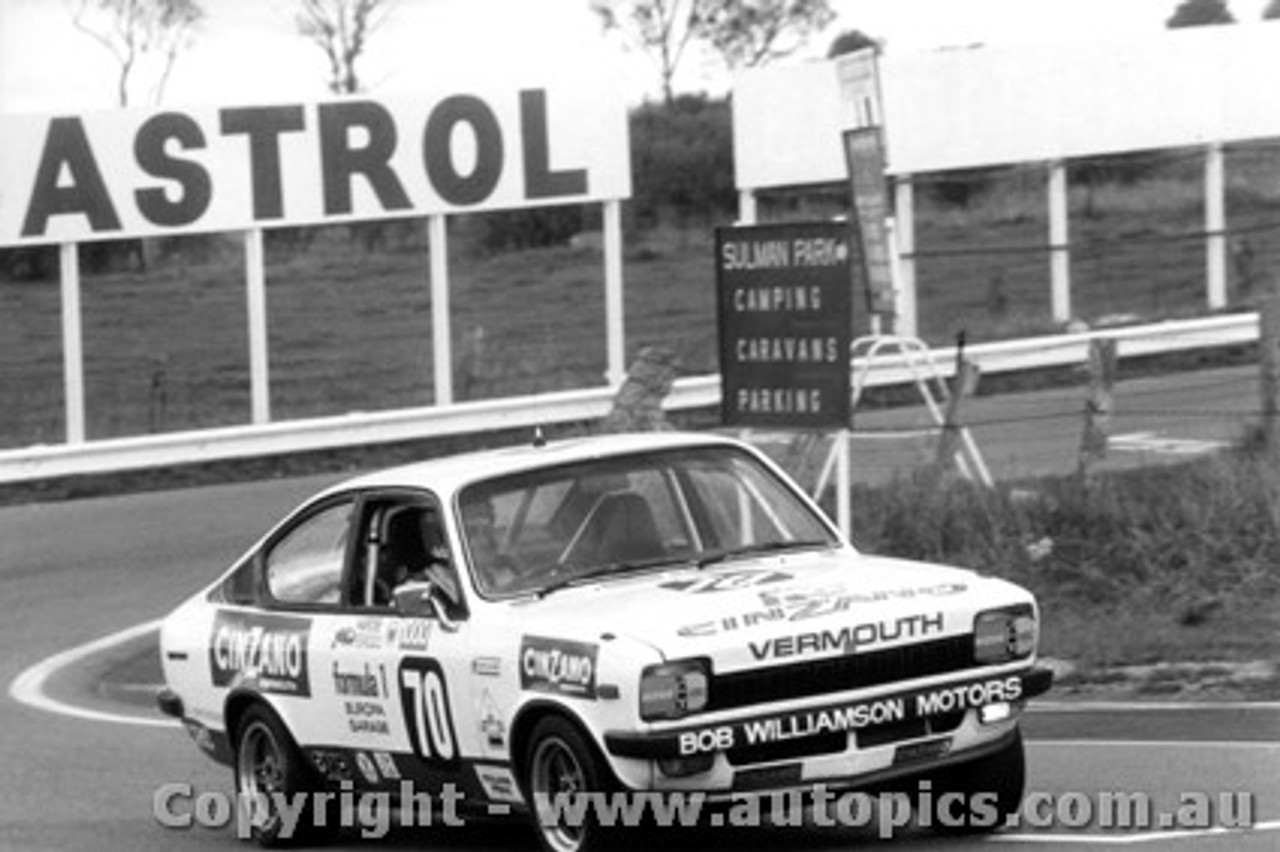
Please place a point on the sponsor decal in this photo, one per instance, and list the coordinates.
(362, 690)
(414, 634)
(387, 765)
(365, 763)
(498, 783)
(849, 717)
(272, 649)
(366, 682)
(492, 728)
(727, 581)
(486, 666)
(847, 640)
(784, 606)
(558, 665)
(365, 633)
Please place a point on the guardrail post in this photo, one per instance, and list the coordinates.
(1059, 245)
(72, 342)
(1215, 225)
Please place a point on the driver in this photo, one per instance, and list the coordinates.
(494, 570)
(435, 566)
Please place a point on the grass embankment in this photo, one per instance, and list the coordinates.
(1172, 569)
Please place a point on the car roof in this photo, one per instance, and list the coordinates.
(447, 474)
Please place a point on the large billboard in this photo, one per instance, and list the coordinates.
(130, 173)
(785, 324)
(987, 105)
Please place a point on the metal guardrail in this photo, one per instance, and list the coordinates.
(364, 428)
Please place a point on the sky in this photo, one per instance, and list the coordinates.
(248, 50)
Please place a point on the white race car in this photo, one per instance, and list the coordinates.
(660, 612)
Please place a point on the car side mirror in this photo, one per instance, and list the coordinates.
(423, 599)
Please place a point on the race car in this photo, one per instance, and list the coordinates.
(658, 612)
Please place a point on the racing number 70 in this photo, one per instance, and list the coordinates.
(425, 701)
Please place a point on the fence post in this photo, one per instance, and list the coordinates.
(1269, 361)
(1098, 405)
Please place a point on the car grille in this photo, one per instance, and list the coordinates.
(837, 674)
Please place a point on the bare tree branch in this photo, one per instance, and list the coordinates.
(341, 29)
(134, 29)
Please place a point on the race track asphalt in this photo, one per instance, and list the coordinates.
(73, 572)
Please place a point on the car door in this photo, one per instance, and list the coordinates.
(393, 681)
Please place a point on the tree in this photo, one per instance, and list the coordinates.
(341, 28)
(1272, 11)
(136, 29)
(1198, 13)
(747, 33)
(851, 41)
(661, 28)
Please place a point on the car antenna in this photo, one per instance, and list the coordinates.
(539, 440)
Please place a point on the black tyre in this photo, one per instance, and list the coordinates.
(269, 766)
(560, 763)
(992, 788)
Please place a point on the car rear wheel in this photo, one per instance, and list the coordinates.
(561, 765)
(992, 788)
(269, 770)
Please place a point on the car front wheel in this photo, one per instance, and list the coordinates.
(560, 768)
(991, 788)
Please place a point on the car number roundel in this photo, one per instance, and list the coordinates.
(424, 697)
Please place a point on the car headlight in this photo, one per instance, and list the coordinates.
(674, 690)
(1000, 635)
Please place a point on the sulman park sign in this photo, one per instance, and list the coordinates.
(129, 173)
(785, 324)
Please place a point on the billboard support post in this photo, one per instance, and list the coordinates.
(902, 234)
(256, 299)
(1059, 243)
(72, 342)
(1215, 226)
(441, 334)
(615, 339)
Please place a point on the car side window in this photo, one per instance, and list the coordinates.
(305, 566)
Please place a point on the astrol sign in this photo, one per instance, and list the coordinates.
(106, 175)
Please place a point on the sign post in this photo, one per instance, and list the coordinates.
(786, 323)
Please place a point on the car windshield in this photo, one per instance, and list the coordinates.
(543, 530)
